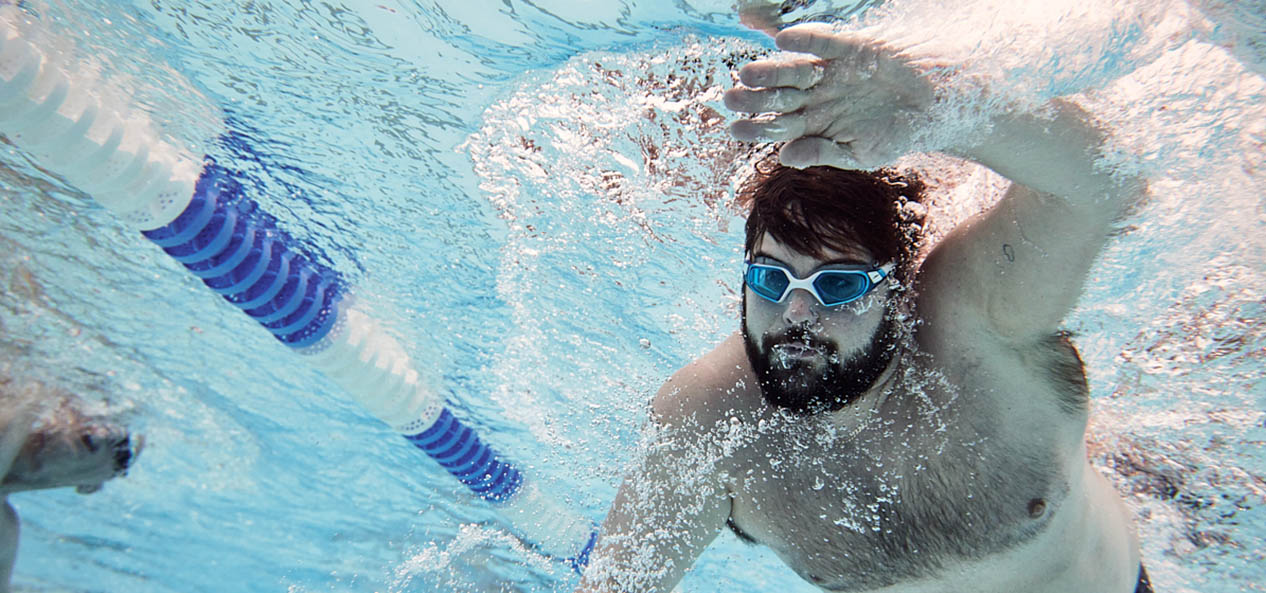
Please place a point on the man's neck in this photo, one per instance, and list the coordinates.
(854, 418)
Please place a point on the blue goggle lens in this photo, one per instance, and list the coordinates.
(767, 282)
(841, 287)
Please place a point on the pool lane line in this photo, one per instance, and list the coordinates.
(198, 213)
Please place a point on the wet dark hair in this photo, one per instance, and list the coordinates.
(818, 208)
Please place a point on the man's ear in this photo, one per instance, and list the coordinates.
(17, 419)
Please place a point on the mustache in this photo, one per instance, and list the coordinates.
(798, 334)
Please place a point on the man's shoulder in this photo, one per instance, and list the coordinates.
(1032, 382)
(718, 385)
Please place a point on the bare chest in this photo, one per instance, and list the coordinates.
(926, 485)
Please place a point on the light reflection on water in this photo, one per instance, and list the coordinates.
(538, 203)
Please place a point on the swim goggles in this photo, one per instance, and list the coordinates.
(831, 287)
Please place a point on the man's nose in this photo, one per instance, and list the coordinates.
(800, 307)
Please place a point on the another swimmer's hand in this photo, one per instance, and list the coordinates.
(854, 102)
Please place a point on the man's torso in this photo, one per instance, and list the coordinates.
(958, 478)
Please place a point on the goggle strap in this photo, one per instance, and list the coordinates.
(877, 276)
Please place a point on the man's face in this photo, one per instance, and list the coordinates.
(70, 450)
(811, 358)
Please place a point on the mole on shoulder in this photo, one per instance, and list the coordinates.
(1037, 506)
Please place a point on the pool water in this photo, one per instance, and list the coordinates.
(536, 198)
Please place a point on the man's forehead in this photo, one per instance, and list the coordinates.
(770, 246)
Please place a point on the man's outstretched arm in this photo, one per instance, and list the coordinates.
(854, 101)
(667, 510)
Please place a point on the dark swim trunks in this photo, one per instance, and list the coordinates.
(1145, 585)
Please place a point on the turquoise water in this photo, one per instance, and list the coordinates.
(536, 199)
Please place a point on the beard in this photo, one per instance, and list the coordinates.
(806, 387)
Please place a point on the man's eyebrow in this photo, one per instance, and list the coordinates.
(761, 253)
(850, 261)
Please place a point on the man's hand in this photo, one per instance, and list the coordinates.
(852, 103)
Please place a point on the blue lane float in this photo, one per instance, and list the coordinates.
(238, 252)
(199, 214)
(458, 449)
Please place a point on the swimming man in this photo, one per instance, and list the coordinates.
(881, 427)
(51, 448)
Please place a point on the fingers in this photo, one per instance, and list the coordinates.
(798, 73)
(824, 120)
(785, 127)
(765, 100)
(759, 15)
(815, 150)
(820, 40)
